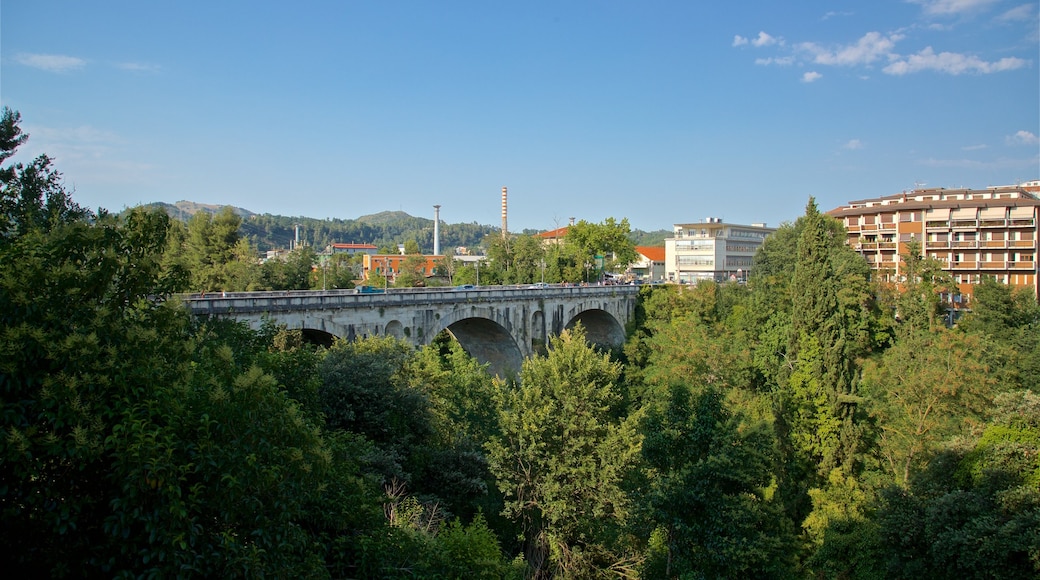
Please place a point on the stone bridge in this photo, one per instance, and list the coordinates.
(498, 325)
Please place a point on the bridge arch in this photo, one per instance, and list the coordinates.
(488, 342)
(601, 328)
(483, 336)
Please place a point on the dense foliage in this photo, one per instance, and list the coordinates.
(808, 424)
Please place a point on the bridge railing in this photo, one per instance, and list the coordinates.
(268, 301)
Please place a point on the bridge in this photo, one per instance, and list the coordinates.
(497, 325)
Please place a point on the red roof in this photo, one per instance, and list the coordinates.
(553, 234)
(354, 247)
(653, 253)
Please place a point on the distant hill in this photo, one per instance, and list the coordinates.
(183, 210)
(383, 229)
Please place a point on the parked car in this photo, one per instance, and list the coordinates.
(539, 285)
(369, 290)
(465, 287)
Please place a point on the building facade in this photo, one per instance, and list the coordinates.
(389, 265)
(975, 233)
(712, 250)
(649, 267)
(351, 249)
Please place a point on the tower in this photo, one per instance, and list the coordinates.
(505, 229)
(436, 230)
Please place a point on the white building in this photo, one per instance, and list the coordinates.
(712, 250)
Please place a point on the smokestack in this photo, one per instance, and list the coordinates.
(504, 213)
(436, 230)
(570, 222)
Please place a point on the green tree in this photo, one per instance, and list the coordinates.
(32, 196)
(561, 459)
(710, 491)
(363, 392)
(413, 272)
(1009, 321)
(922, 391)
(216, 255)
(975, 511)
(919, 304)
(830, 330)
(609, 240)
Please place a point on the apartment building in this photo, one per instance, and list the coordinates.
(389, 265)
(712, 250)
(974, 232)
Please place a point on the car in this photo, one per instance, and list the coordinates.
(466, 287)
(368, 290)
(539, 285)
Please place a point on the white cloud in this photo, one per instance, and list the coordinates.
(811, 76)
(950, 63)
(739, 40)
(853, 144)
(50, 62)
(779, 61)
(137, 67)
(1018, 13)
(832, 14)
(764, 39)
(1003, 163)
(868, 49)
(1023, 138)
(951, 7)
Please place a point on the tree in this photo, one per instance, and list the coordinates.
(609, 240)
(830, 330)
(363, 392)
(925, 389)
(562, 456)
(412, 273)
(32, 196)
(923, 279)
(216, 255)
(709, 480)
(975, 511)
(1009, 321)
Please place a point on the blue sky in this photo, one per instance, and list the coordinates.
(659, 112)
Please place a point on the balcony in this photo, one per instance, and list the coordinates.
(887, 246)
(965, 244)
(1001, 265)
(1023, 243)
(999, 244)
(940, 245)
(964, 265)
(964, 224)
(1021, 265)
(936, 225)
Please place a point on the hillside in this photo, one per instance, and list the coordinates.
(383, 229)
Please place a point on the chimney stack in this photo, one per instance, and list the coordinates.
(436, 230)
(505, 230)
